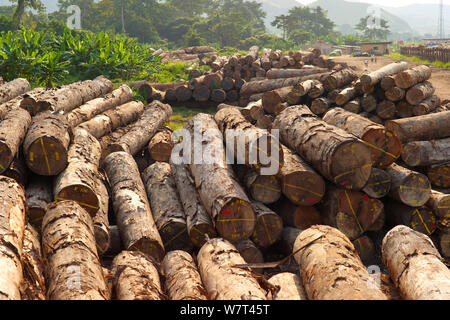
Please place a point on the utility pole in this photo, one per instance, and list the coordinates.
(441, 21)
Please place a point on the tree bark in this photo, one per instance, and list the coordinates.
(368, 102)
(387, 82)
(290, 287)
(136, 277)
(46, 144)
(182, 278)
(220, 192)
(420, 219)
(39, 194)
(166, 207)
(427, 106)
(439, 175)
(384, 146)
(134, 217)
(345, 96)
(395, 94)
(301, 217)
(330, 150)
(33, 287)
(160, 146)
(112, 119)
(15, 103)
(223, 281)
(331, 267)
(375, 77)
(409, 187)
(12, 226)
(94, 107)
(378, 185)
(100, 220)
(366, 250)
(339, 79)
(13, 89)
(299, 182)
(272, 100)
(320, 106)
(143, 130)
(293, 73)
(386, 110)
(13, 129)
(352, 212)
(425, 153)
(269, 225)
(440, 203)
(415, 265)
(73, 268)
(419, 93)
(405, 110)
(408, 78)
(18, 170)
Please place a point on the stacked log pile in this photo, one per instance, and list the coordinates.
(191, 54)
(119, 209)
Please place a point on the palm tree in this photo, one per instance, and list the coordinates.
(20, 9)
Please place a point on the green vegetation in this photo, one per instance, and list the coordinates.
(371, 28)
(181, 115)
(417, 60)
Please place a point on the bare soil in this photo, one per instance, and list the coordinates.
(440, 77)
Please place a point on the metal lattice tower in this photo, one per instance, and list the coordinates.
(441, 20)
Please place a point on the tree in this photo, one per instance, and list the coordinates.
(299, 36)
(281, 22)
(373, 28)
(22, 5)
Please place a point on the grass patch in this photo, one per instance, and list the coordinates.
(417, 60)
(181, 115)
(171, 72)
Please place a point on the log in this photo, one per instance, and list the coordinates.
(18, 170)
(250, 145)
(301, 217)
(384, 146)
(440, 203)
(136, 277)
(46, 144)
(112, 119)
(232, 95)
(221, 194)
(143, 87)
(420, 219)
(33, 286)
(251, 88)
(288, 237)
(415, 265)
(316, 91)
(326, 257)
(439, 175)
(183, 93)
(268, 226)
(265, 122)
(157, 95)
(73, 268)
(133, 214)
(262, 188)
(272, 100)
(227, 83)
(444, 243)
(39, 194)
(292, 73)
(12, 226)
(427, 106)
(218, 95)
(339, 79)
(408, 78)
(13, 129)
(320, 106)
(328, 149)
(100, 220)
(107, 142)
(143, 130)
(387, 82)
(251, 254)
(378, 185)
(94, 107)
(368, 102)
(345, 96)
(353, 106)
(352, 212)
(166, 207)
(366, 250)
(409, 187)
(425, 153)
(290, 287)
(201, 93)
(115, 242)
(419, 93)
(13, 89)
(160, 146)
(216, 260)
(299, 182)
(198, 221)
(375, 77)
(15, 103)
(386, 110)
(251, 55)
(395, 94)
(405, 110)
(182, 278)
(170, 95)
(78, 182)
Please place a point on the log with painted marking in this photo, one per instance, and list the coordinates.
(73, 268)
(440, 203)
(167, 209)
(331, 267)
(415, 265)
(439, 175)
(47, 143)
(18, 170)
(378, 185)
(182, 278)
(339, 79)
(352, 212)
(409, 187)
(408, 78)
(419, 93)
(133, 214)
(320, 106)
(223, 281)
(12, 226)
(301, 217)
(299, 182)
(223, 197)
(272, 100)
(427, 106)
(426, 153)
(269, 225)
(330, 150)
(386, 110)
(395, 94)
(384, 145)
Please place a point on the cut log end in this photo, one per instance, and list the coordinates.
(439, 176)
(378, 185)
(47, 156)
(175, 237)
(236, 221)
(267, 230)
(85, 196)
(6, 156)
(148, 246)
(200, 233)
(415, 190)
(266, 189)
(385, 147)
(303, 188)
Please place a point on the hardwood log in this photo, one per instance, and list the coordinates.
(269, 225)
(427, 106)
(419, 93)
(387, 82)
(292, 73)
(375, 77)
(345, 96)
(339, 79)
(290, 287)
(251, 253)
(440, 203)
(425, 153)
(404, 109)
(18, 170)
(366, 250)
(368, 102)
(301, 217)
(395, 94)
(13, 89)
(386, 110)
(160, 146)
(320, 106)
(378, 185)
(439, 175)
(408, 78)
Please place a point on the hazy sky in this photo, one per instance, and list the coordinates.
(390, 3)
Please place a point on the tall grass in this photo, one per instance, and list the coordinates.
(417, 60)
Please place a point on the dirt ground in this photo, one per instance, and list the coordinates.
(440, 77)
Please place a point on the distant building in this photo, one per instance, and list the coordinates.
(376, 48)
(436, 42)
(347, 49)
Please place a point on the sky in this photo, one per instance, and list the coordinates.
(388, 3)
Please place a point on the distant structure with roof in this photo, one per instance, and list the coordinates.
(436, 41)
(376, 48)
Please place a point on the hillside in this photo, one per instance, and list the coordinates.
(275, 8)
(51, 5)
